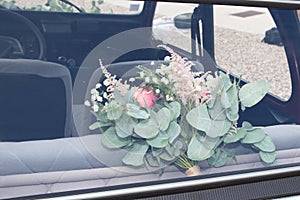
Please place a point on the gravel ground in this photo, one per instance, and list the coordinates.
(244, 54)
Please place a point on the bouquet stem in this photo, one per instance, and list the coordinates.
(193, 171)
(192, 167)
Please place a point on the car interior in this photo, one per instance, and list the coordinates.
(49, 61)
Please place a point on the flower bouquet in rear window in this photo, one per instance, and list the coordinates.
(177, 116)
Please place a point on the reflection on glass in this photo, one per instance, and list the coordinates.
(242, 50)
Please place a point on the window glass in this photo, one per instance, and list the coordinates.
(247, 44)
(89, 6)
(171, 24)
(140, 135)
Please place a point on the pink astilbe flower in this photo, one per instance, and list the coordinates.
(190, 87)
(112, 83)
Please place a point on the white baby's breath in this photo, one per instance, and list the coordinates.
(99, 98)
(87, 103)
(93, 97)
(142, 74)
(167, 58)
(106, 82)
(165, 80)
(147, 79)
(95, 108)
(155, 80)
(94, 91)
(105, 95)
(98, 85)
(131, 80)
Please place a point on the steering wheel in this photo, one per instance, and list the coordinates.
(9, 44)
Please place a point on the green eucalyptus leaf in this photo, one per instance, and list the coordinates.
(136, 112)
(160, 141)
(169, 149)
(215, 93)
(179, 148)
(232, 111)
(266, 145)
(175, 109)
(225, 99)
(156, 152)
(247, 126)
(268, 157)
(217, 112)
(254, 136)
(225, 81)
(219, 159)
(232, 116)
(101, 116)
(135, 156)
(151, 160)
(163, 117)
(218, 128)
(167, 157)
(199, 118)
(120, 98)
(243, 108)
(97, 125)
(147, 129)
(173, 131)
(125, 126)
(110, 139)
(231, 138)
(251, 93)
(114, 111)
(201, 147)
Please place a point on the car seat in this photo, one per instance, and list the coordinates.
(35, 100)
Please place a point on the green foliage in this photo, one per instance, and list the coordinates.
(9, 4)
(251, 93)
(135, 156)
(268, 157)
(216, 122)
(141, 131)
(235, 137)
(111, 140)
(52, 5)
(172, 131)
(136, 112)
(199, 118)
(201, 147)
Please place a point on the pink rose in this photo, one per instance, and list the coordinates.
(143, 96)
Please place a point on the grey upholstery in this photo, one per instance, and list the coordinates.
(39, 167)
(35, 100)
(63, 154)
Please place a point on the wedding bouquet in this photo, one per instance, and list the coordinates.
(177, 115)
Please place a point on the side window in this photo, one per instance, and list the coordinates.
(89, 6)
(247, 44)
